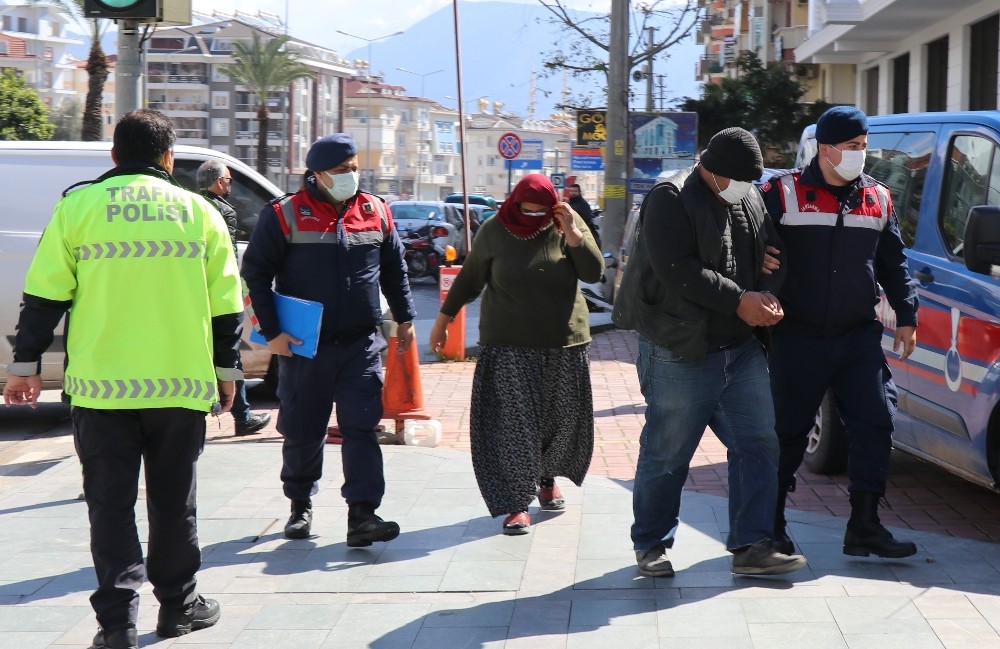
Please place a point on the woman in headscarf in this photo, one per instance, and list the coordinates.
(532, 408)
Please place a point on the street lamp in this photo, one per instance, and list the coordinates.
(422, 76)
(368, 100)
(468, 101)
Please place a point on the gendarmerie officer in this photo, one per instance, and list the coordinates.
(332, 244)
(842, 242)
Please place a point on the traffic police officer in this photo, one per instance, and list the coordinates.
(332, 244)
(149, 272)
(842, 241)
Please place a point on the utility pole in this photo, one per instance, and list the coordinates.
(616, 148)
(649, 70)
(128, 74)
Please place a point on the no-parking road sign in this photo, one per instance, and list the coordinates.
(509, 146)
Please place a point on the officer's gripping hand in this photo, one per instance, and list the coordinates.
(404, 337)
(907, 337)
(771, 261)
(227, 392)
(22, 390)
(279, 345)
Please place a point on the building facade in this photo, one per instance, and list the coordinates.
(34, 41)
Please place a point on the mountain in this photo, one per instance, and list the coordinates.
(502, 43)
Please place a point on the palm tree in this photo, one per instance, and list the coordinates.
(263, 66)
(97, 67)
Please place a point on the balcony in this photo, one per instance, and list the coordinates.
(791, 37)
(194, 106)
(178, 78)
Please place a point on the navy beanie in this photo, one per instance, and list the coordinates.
(733, 153)
(328, 152)
(840, 124)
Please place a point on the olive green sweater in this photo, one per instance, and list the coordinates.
(530, 293)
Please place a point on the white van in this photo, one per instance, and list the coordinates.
(33, 176)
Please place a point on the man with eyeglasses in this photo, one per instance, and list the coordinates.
(216, 181)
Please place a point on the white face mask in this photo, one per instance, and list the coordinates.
(735, 192)
(343, 186)
(852, 163)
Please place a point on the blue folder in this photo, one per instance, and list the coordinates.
(300, 318)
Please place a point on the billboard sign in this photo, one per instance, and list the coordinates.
(591, 127)
(586, 159)
(662, 142)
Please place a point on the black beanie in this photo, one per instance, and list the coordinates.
(734, 153)
(840, 124)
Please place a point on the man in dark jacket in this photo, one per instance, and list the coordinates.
(582, 207)
(699, 304)
(331, 244)
(842, 243)
(216, 181)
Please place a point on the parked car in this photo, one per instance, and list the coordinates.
(488, 202)
(446, 219)
(943, 172)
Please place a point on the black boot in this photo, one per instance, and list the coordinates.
(299, 523)
(865, 533)
(781, 541)
(364, 527)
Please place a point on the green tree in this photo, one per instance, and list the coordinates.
(582, 48)
(765, 101)
(97, 67)
(67, 121)
(264, 66)
(23, 115)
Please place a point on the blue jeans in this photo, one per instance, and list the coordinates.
(241, 407)
(729, 391)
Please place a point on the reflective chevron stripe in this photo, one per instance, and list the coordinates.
(126, 249)
(120, 389)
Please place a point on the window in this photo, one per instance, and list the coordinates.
(900, 161)
(220, 100)
(984, 38)
(246, 196)
(968, 182)
(220, 126)
(937, 74)
(871, 91)
(8, 23)
(901, 83)
(3, 47)
(218, 74)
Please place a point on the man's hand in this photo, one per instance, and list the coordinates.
(22, 390)
(771, 262)
(907, 337)
(227, 392)
(759, 309)
(279, 345)
(404, 337)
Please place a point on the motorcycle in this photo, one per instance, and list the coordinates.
(422, 255)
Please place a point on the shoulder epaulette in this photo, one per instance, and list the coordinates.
(279, 199)
(778, 173)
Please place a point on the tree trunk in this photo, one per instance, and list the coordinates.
(262, 137)
(93, 115)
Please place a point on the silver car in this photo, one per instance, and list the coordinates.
(446, 220)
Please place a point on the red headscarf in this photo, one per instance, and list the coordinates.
(533, 188)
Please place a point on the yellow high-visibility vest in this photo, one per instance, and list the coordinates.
(147, 265)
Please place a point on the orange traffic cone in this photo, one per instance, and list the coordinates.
(403, 394)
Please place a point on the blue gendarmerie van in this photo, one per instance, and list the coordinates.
(943, 171)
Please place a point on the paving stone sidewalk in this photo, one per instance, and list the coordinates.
(452, 581)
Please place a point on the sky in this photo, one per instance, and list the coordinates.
(365, 18)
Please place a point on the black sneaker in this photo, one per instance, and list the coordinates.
(299, 524)
(365, 527)
(654, 562)
(199, 614)
(762, 558)
(121, 638)
(253, 424)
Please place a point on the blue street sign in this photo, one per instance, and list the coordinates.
(640, 185)
(529, 165)
(586, 160)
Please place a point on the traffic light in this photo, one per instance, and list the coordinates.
(118, 9)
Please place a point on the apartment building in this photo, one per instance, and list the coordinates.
(886, 56)
(185, 79)
(34, 41)
(909, 55)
